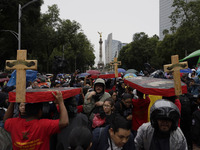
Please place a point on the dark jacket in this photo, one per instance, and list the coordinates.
(61, 140)
(195, 130)
(122, 109)
(101, 136)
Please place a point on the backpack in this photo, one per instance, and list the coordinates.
(195, 130)
(186, 112)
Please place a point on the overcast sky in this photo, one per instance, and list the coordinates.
(122, 18)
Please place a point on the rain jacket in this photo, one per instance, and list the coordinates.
(5, 140)
(145, 134)
(89, 106)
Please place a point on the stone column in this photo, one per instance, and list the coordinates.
(100, 63)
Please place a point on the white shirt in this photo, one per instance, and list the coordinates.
(113, 145)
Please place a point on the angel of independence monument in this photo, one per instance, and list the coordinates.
(100, 63)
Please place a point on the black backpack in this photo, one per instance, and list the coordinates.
(195, 130)
(186, 112)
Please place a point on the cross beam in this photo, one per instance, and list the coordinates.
(115, 63)
(175, 67)
(21, 65)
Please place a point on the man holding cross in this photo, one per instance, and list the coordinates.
(32, 132)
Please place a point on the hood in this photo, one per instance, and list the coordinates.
(100, 81)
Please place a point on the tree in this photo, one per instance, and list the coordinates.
(47, 38)
(77, 49)
(9, 24)
(187, 35)
(138, 52)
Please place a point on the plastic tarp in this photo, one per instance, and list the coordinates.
(193, 58)
(131, 71)
(31, 75)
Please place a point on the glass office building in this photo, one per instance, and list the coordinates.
(165, 8)
(112, 48)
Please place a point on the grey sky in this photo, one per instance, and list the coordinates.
(123, 18)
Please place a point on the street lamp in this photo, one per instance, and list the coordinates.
(13, 33)
(19, 21)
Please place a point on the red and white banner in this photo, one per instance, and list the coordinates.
(154, 86)
(45, 94)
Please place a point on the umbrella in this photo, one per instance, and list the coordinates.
(132, 71)
(67, 75)
(158, 74)
(193, 58)
(30, 76)
(82, 75)
(129, 75)
(93, 72)
(121, 70)
(188, 70)
(110, 72)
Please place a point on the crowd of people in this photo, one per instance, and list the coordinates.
(106, 115)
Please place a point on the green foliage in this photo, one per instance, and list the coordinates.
(186, 37)
(138, 52)
(44, 36)
(9, 24)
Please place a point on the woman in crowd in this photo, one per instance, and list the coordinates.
(124, 107)
(105, 117)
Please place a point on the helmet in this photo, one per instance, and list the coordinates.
(164, 109)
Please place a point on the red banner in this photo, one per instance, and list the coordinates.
(4, 79)
(154, 86)
(105, 76)
(45, 94)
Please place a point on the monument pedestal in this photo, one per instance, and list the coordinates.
(100, 65)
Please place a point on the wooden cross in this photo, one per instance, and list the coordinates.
(21, 65)
(175, 67)
(115, 63)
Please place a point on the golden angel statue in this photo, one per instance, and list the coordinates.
(100, 33)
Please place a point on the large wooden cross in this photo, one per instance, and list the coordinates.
(21, 65)
(175, 68)
(115, 63)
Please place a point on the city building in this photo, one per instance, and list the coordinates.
(112, 48)
(165, 8)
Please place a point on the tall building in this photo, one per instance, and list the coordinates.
(112, 48)
(165, 8)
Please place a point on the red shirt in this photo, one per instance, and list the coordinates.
(140, 112)
(31, 135)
